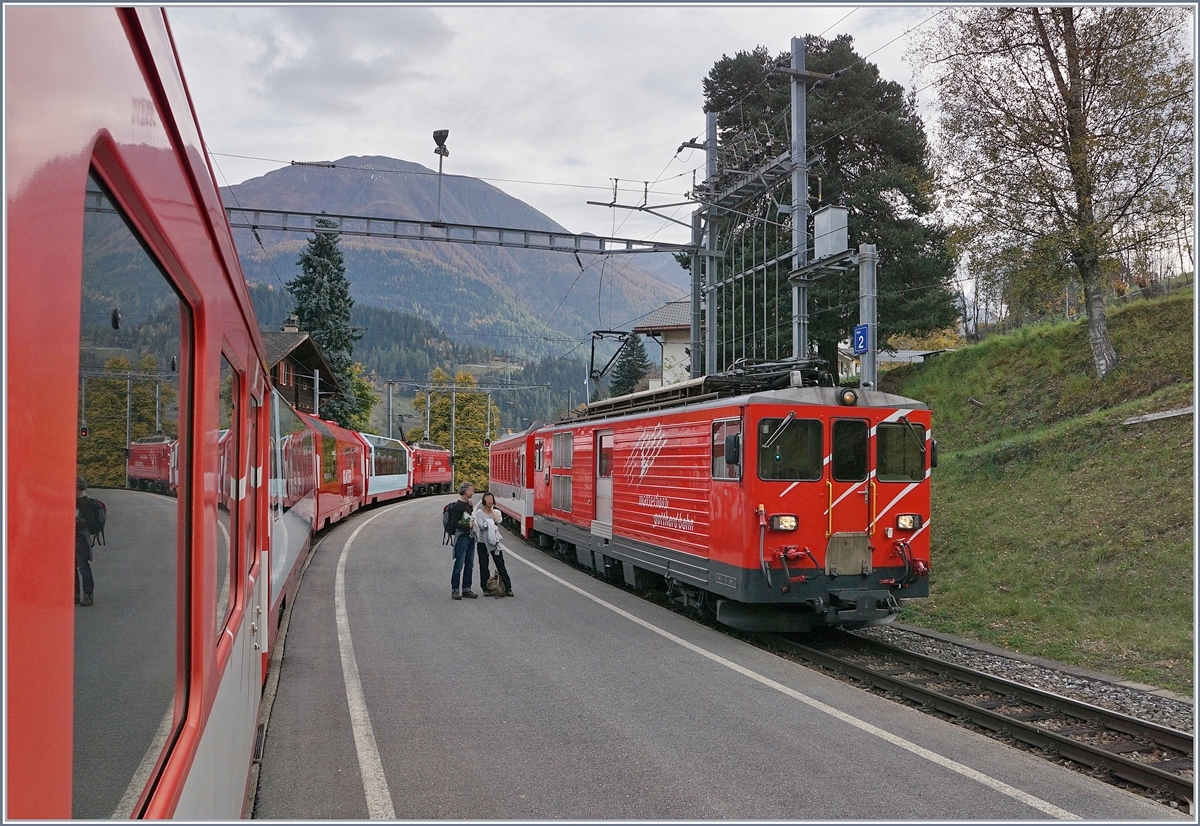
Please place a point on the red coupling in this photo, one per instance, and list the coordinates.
(921, 567)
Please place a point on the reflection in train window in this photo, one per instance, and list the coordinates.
(131, 449)
(228, 485)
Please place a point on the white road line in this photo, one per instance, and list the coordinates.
(379, 799)
(934, 757)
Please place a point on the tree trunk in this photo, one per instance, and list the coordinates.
(1103, 354)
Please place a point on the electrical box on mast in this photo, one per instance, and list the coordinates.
(830, 235)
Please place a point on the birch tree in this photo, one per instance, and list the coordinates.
(1065, 136)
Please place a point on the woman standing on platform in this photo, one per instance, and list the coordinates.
(487, 535)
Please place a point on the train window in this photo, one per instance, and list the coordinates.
(228, 484)
(604, 460)
(564, 444)
(849, 450)
(134, 380)
(253, 473)
(900, 452)
(725, 435)
(790, 449)
(329, 474)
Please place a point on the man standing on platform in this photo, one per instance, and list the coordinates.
(464, 544)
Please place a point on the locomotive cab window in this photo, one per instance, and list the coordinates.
(726, 449)
(900, 452)
(790, 449)
(135, 339)
(849, 450)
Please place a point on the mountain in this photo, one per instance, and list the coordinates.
(511, 300)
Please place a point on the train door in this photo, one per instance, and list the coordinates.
(604, 472)
(848, 491)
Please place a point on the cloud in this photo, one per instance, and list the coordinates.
(338, 57)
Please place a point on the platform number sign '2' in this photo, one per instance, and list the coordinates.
(860, 339)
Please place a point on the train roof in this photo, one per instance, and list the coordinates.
(795, 386)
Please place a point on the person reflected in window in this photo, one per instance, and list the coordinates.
(86, 524)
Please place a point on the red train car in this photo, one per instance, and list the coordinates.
(152, 464)
(512, 463)
(777, 509)
(119, 254)
(430, 469)
(341, 470)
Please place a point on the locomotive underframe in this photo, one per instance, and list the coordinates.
(796, 600)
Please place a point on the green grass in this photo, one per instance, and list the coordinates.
(1057, 530)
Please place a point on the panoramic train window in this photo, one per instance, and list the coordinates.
(849, 450)
(228, 481)
(790, 449)
(900, 452)
(725, 435)
(131, 450)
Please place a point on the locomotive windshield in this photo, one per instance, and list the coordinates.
(901, 452)
(789, 449)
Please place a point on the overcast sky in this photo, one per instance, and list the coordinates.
(546, 102)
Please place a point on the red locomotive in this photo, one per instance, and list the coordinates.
(776, 509)
(152, 464)
(430, 469)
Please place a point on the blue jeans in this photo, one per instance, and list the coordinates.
(464, 561)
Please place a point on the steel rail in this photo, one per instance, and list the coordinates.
(1142, 774)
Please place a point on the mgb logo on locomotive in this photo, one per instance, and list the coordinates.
(644, 452)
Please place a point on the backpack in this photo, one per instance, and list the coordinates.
(99, 517)
(447, 528)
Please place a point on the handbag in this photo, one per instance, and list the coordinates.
(495, 585)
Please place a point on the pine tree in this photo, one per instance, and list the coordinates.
(323, 307)
(871, 152)
(632, 366)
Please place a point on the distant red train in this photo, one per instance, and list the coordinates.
(775, 509)
(431, 468)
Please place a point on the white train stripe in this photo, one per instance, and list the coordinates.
(379, 799)
(862, 725)
(788, 489)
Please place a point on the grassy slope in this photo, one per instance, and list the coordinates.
(1057, 530)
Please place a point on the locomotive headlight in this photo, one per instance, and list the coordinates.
(847, 397)
(782, 522)
(908, 521)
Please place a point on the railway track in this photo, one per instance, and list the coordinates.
(1154, 758)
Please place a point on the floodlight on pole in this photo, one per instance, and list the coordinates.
(439, 137)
